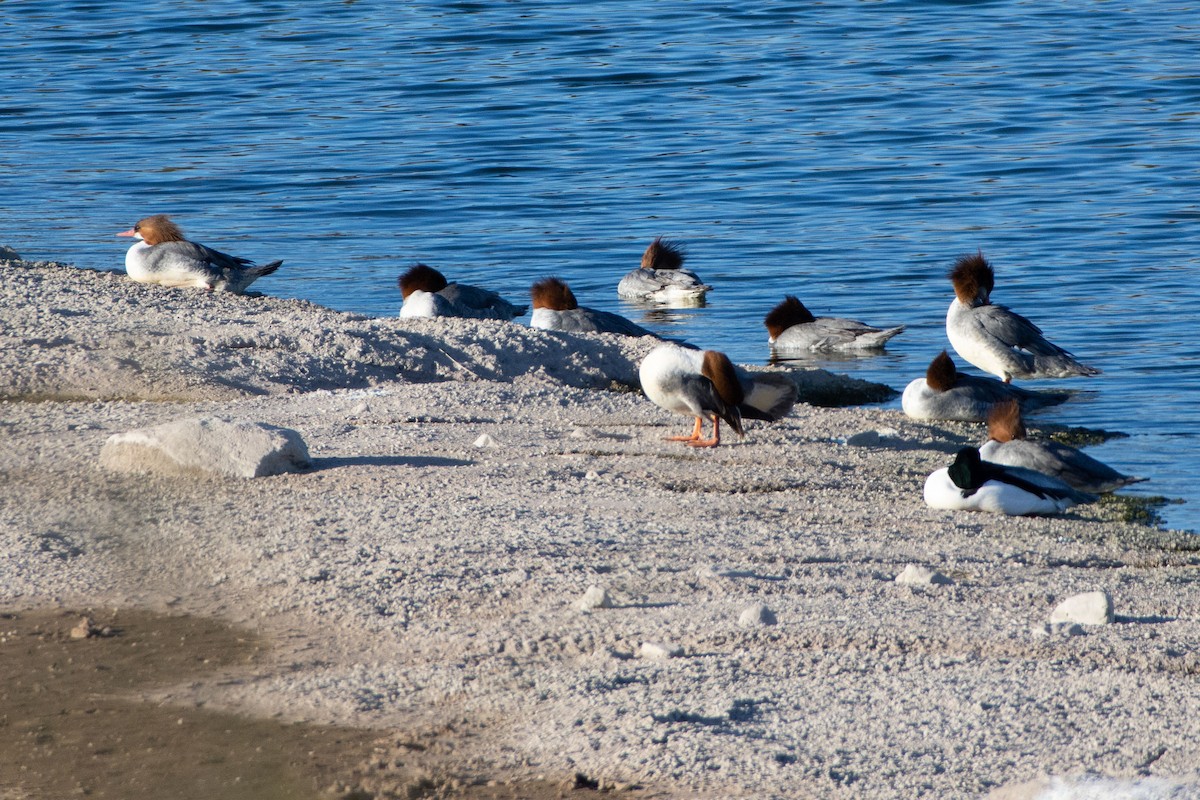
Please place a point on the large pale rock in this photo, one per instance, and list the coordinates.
(233, 449)
(1089, 608)
(916, 575)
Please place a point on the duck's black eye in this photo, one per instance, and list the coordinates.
(137, 227)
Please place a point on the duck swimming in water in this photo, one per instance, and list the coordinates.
(555, 309)
(1007, 445)
(427, 293)
(972, 484)
(705, 384)
(662, 279)
(792, 328)
(995, 339)
(162, 255)
(946, 393)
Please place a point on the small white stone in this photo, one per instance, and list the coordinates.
(659, 650)
(756, 615)
(361, 408)
(595, 597)
(486, 440)
(914, 575)
(1089, 608)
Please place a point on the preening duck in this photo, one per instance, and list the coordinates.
(995, 339)
(555, 309)
(946, 393)
(662, 279)
(162, 255)
(792, 327)
(427, 293)
(972, 484)
(704, 384)
(1007, 445)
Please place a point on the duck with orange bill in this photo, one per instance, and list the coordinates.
(162, 255)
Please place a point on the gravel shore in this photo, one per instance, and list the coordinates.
(472, 479)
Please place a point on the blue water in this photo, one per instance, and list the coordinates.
(846, 152)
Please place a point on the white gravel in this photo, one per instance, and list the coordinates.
(473, 479)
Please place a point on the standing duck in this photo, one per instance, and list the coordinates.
(163, 256)
(792, 327)
(662, 279)
(946, 393)
(972, 484)
(704, 384)
(1008, 446)
(555, 309)
(426, 293)
(995, 339)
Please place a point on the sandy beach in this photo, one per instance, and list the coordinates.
(471, 480)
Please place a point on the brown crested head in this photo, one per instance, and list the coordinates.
(783, 316)
(717, 367)
(1004, 421)
(973, 279)
(158, 229)
(664, 254)
(554, 294)
(941, 373)
(421, 278)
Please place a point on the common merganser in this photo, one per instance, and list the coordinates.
(946, 393)
(555, 309)
(995, 339)
(792, 327)
(164, 257)
(972, 484)
(705, 384)
(662, 279)
(1007, 445)
(426, 293)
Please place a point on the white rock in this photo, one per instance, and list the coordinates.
(486, 440)
(659, 650)
(595, 597)
(913, 575)
(233, 449)
(1089, 608)
(756, 615)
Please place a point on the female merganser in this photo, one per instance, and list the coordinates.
(163, 256)
(427, 294)
(1007, 445)
(791, 326)
(995, 339)
(555, 309)
(945, 393)
(972, 484)
(706, 384)
(662, 279)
